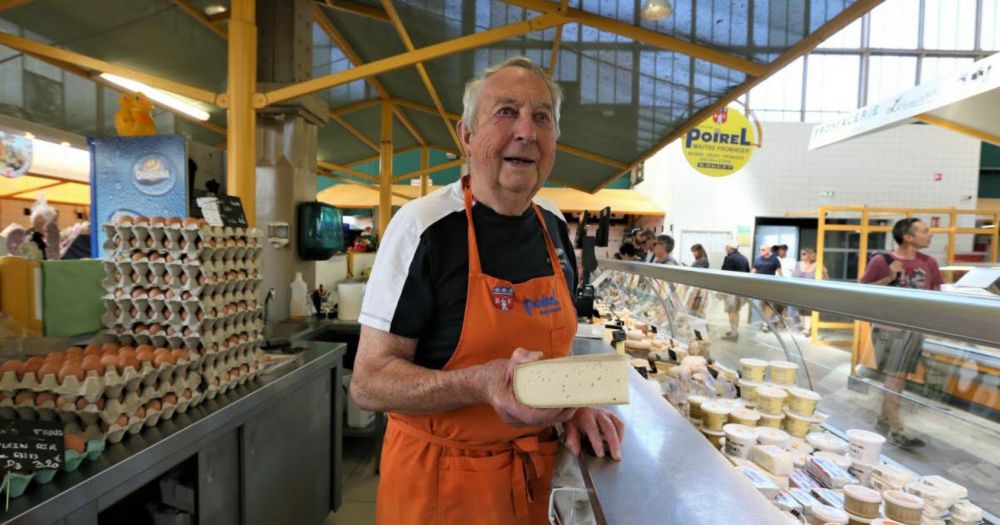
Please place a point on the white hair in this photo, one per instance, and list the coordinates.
(474, 87)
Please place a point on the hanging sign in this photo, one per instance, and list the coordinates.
(721, 145)
(15, 155)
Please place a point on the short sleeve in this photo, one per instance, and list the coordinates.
(936, 279)
(876, 269)
(390, 288)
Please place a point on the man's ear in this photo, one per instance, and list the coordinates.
(464, 135)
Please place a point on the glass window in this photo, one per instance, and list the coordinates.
(933, 68)
(889, 75)
(779, 98)
(831, 86)
(989, 38)
(847, 38)
(949, 24)
(894, 25)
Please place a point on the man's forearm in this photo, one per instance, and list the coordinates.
(401, 386)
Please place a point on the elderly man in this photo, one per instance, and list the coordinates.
(445, 321)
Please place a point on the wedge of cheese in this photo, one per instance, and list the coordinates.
(576, 381)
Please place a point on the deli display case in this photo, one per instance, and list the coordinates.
(803, 420)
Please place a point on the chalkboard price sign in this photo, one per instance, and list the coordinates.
(30, 446)
(223, 210)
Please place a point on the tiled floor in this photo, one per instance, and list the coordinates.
(360, 484)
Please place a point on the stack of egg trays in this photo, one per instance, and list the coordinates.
(229, 368)
(102, 398)
(181, 286)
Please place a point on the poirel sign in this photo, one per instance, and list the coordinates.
(721, 145)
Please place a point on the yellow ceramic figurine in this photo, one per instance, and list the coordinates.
(134, 117)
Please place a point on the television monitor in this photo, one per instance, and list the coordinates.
(581, 229)
(320, 231)
(603, 227)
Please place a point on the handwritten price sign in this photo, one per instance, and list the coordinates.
(30, 446)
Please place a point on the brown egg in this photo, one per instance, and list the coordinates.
(61, 402)
(30, 366)
(11, 365)
(171, 331)
(170, 399)
(156, 292)
(150, 242)
(137, 257)
(119, 293)
(168, 279)
(44, 397)
(154, 405)
(189, 221)
(74, 350)
(171, 221)
(134, 277)
(187, 393)
(180, 354)
(183, 279)
(143, 347)
(187, 331)
(244, 369)
(24, 397)
(126, 351)
(93, 365)
(124, 220)
(156, 220)
(140, 412)
(155, 256)
(122, 421)
(169, 258)
(100, 404)
(185, 296)
(118, 312)
(169, 294)
(109, 360)
(163, 359)
(139, 292)
(109, 347)
(55, 356)
(140, 328)
(81, 403)
(127, 361)
(74, 442)
(145, 356)
(155, 329)
(71, 368)
(244, 338)
(49, 368)
(182, 244)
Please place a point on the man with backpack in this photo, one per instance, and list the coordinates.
(897, 351)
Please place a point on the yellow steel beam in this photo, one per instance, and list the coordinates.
(424, 108)
(354, 58)
(356, 8)
(645, 36)
(410, 58)
(842, 20)
(241, 147)
(425, 159)
(355, 106)
(200, 16)
(218, 18)
(385, 170)
(37, 49)
(961, 128)
(10, 4)
(404, 35)
(340, 178)
(354, 131)
(557, 40)
(371, 158)
(344, 169)
(429, 170)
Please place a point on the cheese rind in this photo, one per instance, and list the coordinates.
(576, 381)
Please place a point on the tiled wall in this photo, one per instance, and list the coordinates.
(892, 168)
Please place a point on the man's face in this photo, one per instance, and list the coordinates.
(649, 243)
(765, 251)
(513, 147)
(921, 236)
(730, 249)
(782, 252)
(659, 250)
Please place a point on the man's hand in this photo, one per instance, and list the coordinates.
(499, 392)
(896, 268)
(598, 425)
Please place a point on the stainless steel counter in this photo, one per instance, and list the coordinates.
(233, 424)
(669, 473)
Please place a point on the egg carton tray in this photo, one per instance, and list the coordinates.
(192, 239)
(18, 483)
(167, 287)
(144, 268)
(176, 318)
(211, 369)
(222, 384)
(116, 430)
(95, 385)
(68, 409)
(215, 298)
(157, 335)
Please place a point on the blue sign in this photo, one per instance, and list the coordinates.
(136, 176)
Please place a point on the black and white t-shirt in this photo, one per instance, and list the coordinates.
(420, 279)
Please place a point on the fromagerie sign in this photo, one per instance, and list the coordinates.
(721, 145)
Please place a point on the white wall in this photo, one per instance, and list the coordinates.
(893, 168)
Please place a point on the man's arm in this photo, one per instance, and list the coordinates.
(385, 379)
(879, 273)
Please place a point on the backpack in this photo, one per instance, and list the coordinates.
(888, 260)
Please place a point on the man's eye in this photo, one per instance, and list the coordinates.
(542, 117)
(507, 112)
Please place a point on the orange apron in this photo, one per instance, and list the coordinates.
(467, 466)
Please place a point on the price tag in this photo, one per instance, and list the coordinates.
(225, 210)
(30, 446)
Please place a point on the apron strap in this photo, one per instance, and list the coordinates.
(527, 461)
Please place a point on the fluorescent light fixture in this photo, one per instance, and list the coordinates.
(654, 10)
(60, 160)
(215, 9)
(162, 97)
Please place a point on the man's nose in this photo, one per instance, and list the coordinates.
(524, 128)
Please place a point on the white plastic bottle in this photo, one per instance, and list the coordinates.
(299, 308)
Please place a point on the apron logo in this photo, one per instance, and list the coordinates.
(546, 305)
(503, 298)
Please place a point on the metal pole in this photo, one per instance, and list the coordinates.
(241, 118)
(425, 179)
(385, 171)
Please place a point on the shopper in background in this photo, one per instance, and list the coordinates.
(734, 262)
(444, 322)
(768, 264)
(700, 257)
(626, 252)
(787, 263)
(663, 247)
(806, 269)
(648, 244)
(897, 352)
